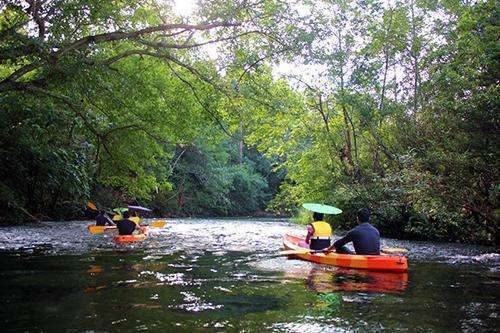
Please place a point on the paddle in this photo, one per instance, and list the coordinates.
(91, 206)
(155, 224)
(304, 251)
(158, 224)
(388, 250)
(99, 229)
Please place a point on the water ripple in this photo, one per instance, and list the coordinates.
(195, 237)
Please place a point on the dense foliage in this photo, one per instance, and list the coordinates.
(386, 104)
(117, 102)
(406, 123)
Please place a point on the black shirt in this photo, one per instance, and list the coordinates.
(365, 238)
(125, 227)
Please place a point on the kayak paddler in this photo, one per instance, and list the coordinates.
(119, 213)
(134, 217)
(365, 237)
(319, 233)
(126, 226)
(102, 219)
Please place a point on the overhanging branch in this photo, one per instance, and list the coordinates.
(82, 43)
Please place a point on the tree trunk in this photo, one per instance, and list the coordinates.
(414, 56)
(240, 145)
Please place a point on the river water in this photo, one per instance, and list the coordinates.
(223, 275)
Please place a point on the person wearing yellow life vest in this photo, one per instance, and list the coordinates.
(128, 225)
(117, 217)
(319, 233)
(134, 217)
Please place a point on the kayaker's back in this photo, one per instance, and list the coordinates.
(366, 239)
(125, 227)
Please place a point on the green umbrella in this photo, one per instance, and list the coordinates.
(319, 208)
(120, 209)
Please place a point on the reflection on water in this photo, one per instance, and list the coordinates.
(325, 279)
(224, 275)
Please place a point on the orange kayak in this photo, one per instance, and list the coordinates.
(383, 262)
(122, 239)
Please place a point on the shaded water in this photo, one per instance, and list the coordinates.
(222, 275)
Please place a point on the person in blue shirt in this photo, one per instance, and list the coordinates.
(365, 237)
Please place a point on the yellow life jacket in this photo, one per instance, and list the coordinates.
(117, 217)
(135, 219)
(322, 229)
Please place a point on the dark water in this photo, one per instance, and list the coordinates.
(222, 276)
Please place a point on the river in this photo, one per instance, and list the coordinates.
(223, 275)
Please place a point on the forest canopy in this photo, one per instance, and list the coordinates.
(240, 107)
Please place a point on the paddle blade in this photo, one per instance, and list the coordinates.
(99, 229)
(394, 250)
(158, 224)
(91, 206)
(96, 229)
